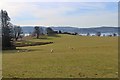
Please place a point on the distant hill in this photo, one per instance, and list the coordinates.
(88, 30)
(29, 29)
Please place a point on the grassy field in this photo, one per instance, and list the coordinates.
(72, 57)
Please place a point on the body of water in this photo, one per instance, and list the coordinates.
(102, 34)
(85, 34)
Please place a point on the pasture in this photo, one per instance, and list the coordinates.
(72, 57)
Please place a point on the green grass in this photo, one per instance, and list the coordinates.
(73, 57)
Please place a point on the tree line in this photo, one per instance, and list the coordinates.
(38, 31)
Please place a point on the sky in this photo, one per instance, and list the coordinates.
(75, 14)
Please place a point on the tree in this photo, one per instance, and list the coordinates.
(41, 30)
(60, 32)
(37, 31)
(7, 35)
(88, 34)
(114, 34)
(50, 31)
(98, 34)
(76, 33)
(17, 32)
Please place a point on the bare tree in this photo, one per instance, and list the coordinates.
(17, 32)
(98, 34)
(37, 31)
(88, 34)
(41, 30)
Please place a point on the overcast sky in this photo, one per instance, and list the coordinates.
(78, 14)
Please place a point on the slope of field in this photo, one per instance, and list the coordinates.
(72, 56)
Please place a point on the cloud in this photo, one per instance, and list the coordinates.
(82, 14)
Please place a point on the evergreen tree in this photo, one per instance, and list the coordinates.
(7, 38)
(50, 31)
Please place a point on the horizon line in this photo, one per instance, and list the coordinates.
(65, 26)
